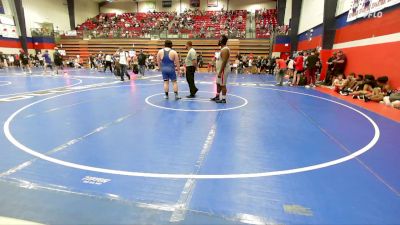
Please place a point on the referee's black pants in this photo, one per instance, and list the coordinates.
(190, 79)
(108, 64)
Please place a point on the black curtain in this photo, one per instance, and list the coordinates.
(21, 22)
(329, 24)
(294, 23)
(281, 11)
(71, 13)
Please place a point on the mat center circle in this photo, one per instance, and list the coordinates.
(201, 103)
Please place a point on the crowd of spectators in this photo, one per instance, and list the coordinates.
(250, 64)
(210, 24)
(367, 88)
(305, 67)
(192, 23)
(266, 24)
(137, 61)
(42, 32)
(11, 60)
(27, 61)
(126, 25)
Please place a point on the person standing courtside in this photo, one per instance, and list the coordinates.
(339, 64)
(311, 63)
(108, 62)
(2, 58)
(329, 72)
(223, 68)
(168, 62)
(47, 61)
(191, 63)
(123, 63)
(92, 61)
(142, 63)
(58, 60)
(282, 67)
(25, 62)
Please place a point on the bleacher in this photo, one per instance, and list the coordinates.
(206, 47)
(111, 25)
(266, 21)
(110, 31)
(211, 22)
(200, 24)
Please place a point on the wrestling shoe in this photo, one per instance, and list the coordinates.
(215, 99)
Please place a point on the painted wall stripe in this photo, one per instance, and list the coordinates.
(310, 44)
(369, 41)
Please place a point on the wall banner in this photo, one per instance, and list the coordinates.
(212, 3)
(364, 8)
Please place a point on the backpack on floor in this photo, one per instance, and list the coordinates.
(254, 70)
(135, 69)
(117, 69)
(116, 72)
(303, 80)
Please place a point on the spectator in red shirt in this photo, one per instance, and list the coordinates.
(281, 64)
(298, 68)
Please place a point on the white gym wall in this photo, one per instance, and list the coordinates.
(312, 13)
(288, 12)
(343, 6)
(46, 11)
(84, 10)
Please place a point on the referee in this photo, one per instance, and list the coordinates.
(191, 62)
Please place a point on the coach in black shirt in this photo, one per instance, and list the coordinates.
(142, 63)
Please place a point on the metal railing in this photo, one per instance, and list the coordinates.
(157, 34)
(40, 32)
(249, 33)
(163, 33)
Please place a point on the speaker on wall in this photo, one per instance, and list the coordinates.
(166, 3)
(195, 3)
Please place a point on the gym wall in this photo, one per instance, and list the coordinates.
(372, 45)
(84, 10)
(180, 6)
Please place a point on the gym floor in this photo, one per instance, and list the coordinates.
(85, 148)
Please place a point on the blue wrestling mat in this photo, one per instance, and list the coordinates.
(85, 148)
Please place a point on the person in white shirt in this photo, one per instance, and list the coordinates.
(191, 63)
(11, 60)
(77, 62)
(122, 58)
(290, 67)
(108, 62)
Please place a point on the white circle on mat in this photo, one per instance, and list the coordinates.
(245, 102)
(5, 83)
(29, 92)
(373, 141)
